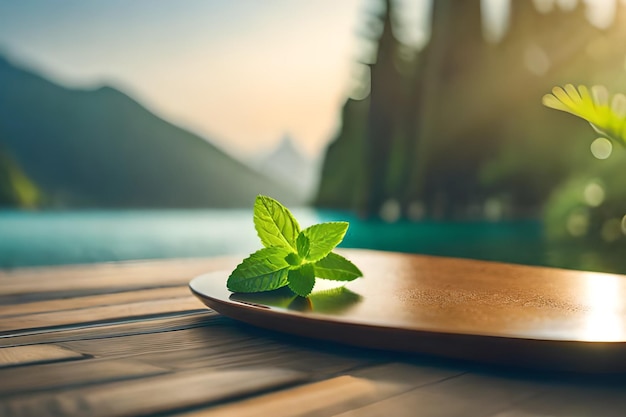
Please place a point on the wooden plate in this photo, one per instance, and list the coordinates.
(464, 309)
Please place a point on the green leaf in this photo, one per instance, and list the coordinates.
(337, 268)
(302, 280)
(303, 245)
(606, 114)
(274, 223)
(264, 270)
(323, 238)
(293, 259)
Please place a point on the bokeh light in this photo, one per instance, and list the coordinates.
(611, 230)
(578, 223)
(594, 194)
(601, 148)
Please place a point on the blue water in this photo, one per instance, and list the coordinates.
(69, 237)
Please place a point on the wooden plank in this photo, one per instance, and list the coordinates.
(467, 395)
(54, 376)
(158, 394)
(592, 398)
(226, 344)
(22, 355)
(334, 395)
(183, 351)
(124, 346)
(99, 314)
(50, 282)
(255, 352)
(74, 303)
(147, 325)
(317, 398)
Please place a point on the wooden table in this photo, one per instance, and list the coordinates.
(130, 339)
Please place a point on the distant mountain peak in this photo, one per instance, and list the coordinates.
(289, 164)
(286, 148)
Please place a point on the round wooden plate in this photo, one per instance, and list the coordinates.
(483, 311)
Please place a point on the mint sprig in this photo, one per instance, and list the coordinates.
(291, 257)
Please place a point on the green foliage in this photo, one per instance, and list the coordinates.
(303, 245)
(16, 188)
(323, 238)
(302, 279)
(266, 268)
(337, 268)
(593, 106)
(291, 257)
(591, 205)
(462, 127)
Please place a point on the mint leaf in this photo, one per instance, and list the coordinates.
(264, 270)
(291, 257)
(274, 224)
(337, 268)
(323, 238)
(302, 280)
(303, 245)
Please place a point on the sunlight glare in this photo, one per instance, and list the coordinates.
(603, 296)
(601, 13)
(495, 15)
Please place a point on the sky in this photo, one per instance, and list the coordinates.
(241, 73)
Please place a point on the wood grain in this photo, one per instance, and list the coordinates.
(147, 325)
(158, 342)
(314, 399)
(567, 400)
(60, 375)
(465, 395)
(251, 353)
(336, 395)
(40, 283)
(22, 355)
(96, 314)
(152, 395)
(226, 345)
(75, 303)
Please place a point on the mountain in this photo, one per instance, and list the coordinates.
(287, 164)
(100, 148)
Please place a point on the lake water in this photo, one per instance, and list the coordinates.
(62, 237)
